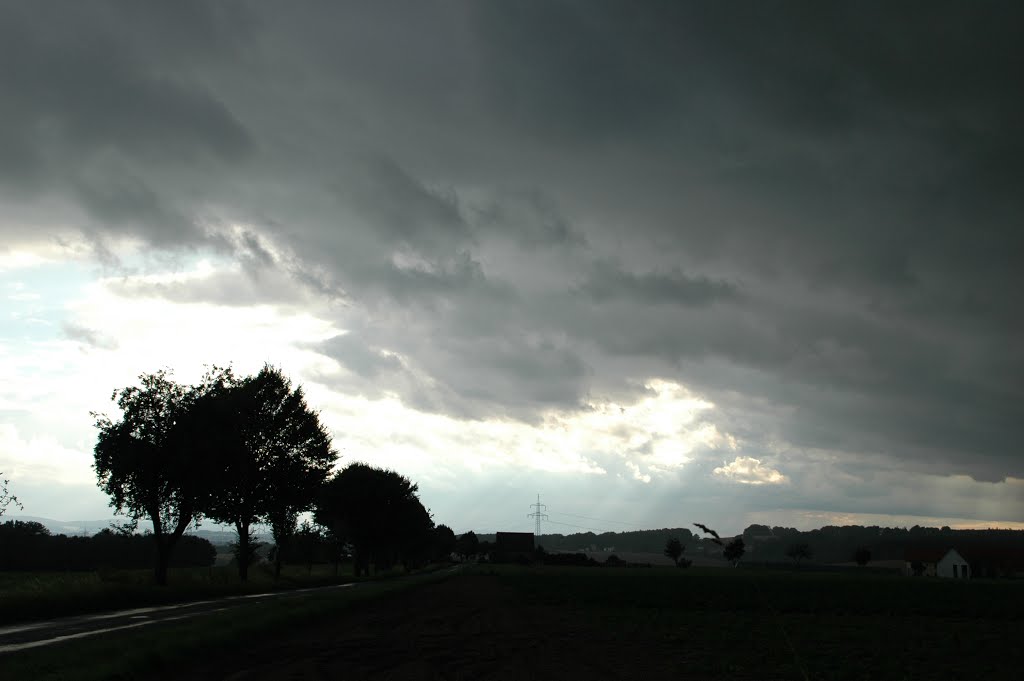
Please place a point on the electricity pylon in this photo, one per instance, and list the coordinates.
(538, 513)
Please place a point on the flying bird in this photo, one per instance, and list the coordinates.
(708, 530)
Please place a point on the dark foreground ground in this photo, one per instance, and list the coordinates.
(651, 624)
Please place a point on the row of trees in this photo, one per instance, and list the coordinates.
(862, 544)
(28, 546)
(248, 451)
(632, 541)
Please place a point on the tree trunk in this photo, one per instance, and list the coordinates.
(361, 562)
(163, 559)
(243, 551)
(281, 539)
(165, 542)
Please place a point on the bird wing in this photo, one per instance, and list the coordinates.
(707, 529)
(714, 534)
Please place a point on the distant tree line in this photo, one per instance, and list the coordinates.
(763, 543)
(28, 546)
(863, 544)
(248, 451)
(635, 541)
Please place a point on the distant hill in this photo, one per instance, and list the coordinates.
(87, 528)
(68, 527)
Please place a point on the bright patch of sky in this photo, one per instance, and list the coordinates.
(101, 333)
(99, 330)
(35, 293)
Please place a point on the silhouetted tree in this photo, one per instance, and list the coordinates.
(674, 550)
(245, 549)
(307, 544)
(862, 556)
(614, 561)
(444, 542)
(268, 456)
(798, 551)
(413, 540)
(146, 465)
(283, 526)
(22, 545)
(468, 545)
(335, 547)
(734, 551)
(377, 511)
(756, 530)
(6, 498)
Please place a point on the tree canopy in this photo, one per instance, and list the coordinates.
(267, 457)
(444, 542)
(379, 513)
(799, 551)
(467, 545)
(734, 550)
(674, 549)
(237, 450)
(146, 465)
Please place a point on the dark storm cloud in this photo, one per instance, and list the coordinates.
(110, 77)
(531, 218)
(401, 207)
(607, 281)
(99, 103)
(807, 214)
(358, 358)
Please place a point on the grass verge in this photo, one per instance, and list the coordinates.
(29, 596)
(147, 652)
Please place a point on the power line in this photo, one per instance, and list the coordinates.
(600, 520)
(579, 527)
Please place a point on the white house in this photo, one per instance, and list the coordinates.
(953, 565)
(937, 563)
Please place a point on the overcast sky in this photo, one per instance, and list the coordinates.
(661, 263)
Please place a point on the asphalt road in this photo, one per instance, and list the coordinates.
(37, 634)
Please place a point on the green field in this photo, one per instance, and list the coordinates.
(751, 624)
(28, 596)
(153, 652)
(497, 622)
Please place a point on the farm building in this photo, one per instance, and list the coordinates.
(932, 562)
(513, 547)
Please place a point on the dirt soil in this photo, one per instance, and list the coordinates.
(470, 627)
